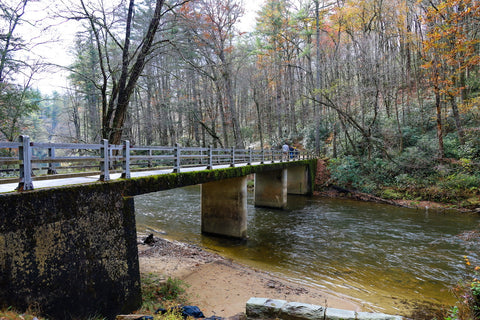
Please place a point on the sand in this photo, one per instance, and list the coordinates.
(221, 287)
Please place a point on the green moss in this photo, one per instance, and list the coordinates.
(141, 185)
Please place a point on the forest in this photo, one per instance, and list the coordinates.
(387, 90)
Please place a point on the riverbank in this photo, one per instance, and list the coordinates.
(221, 287)
(325, 187)
(411, 204)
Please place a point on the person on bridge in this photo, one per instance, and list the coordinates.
(291, 151)
(285, 150)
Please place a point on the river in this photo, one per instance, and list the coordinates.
(387, 258)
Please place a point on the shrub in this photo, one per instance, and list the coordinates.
(451, 146)
(158, 292)
(460, 182)
(171, 314)
(346, 171)
(389, 193)
(173, 289)
(468, 295)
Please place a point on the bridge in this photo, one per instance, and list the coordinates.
(67, 217)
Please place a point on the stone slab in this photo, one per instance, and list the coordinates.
(261, 308)
(264, 308)
(299, 311)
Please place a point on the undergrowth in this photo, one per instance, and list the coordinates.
(158, 292)
(467, 293)
(452, 182)
(11, 314)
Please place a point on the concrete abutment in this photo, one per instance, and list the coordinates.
(71, 253)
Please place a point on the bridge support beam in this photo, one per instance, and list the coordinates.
(299, 180)
(271, 189)
(224, 207)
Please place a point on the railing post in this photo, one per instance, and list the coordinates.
(177, 162)
(150, 158)
(249, 156)
(105, 162)
(263, 156)
(273, 159)
(110, 159)
(210, 158)
(232, 157)
(51, 165)
(126, 160)
(25, 157)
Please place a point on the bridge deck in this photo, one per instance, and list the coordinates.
(10, 187)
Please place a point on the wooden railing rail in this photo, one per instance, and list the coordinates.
(28, 161)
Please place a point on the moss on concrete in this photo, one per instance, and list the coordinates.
(142, 185)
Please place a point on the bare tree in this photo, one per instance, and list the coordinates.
(210, 26)
(119, 77)
(17, 99)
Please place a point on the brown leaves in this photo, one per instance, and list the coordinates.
(450, 47)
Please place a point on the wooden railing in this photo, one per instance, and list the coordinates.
(37, 161)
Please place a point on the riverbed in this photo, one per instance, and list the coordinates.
(387, 258)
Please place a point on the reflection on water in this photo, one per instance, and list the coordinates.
(381, 255)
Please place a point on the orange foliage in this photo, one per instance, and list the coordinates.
(450, 48)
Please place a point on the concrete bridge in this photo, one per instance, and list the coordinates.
(69, 246)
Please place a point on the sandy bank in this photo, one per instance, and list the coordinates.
(221, 287)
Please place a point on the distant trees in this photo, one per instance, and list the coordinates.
(389, 88)
(11, 17)
(17, 99)
(209, 30)
(452, 57)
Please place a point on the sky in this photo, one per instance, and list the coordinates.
(58, 51)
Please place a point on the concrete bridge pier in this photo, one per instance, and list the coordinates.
(299, 180)
(271, 189)
(224, 207)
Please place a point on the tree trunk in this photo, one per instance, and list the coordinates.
(221, 108)
(237, 136)
(458, 122)
(259, 116)
(438, 107)
(129, 78)
(316, 106)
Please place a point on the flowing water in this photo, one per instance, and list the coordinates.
(387, 258)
